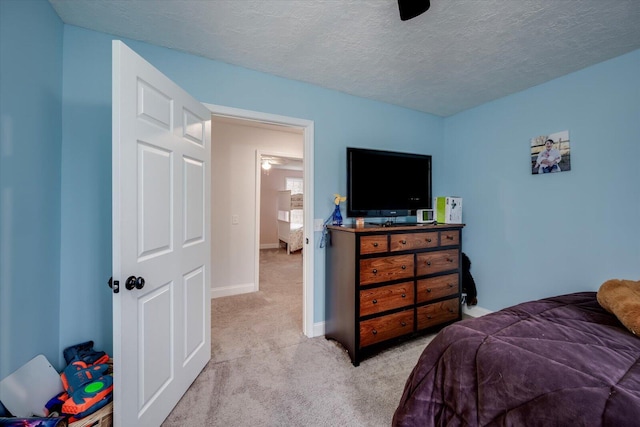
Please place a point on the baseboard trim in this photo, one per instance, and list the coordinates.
(270, 246)
(318, 329)
(228, 291)
(475, 311)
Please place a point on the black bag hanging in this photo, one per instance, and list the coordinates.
(468, 284)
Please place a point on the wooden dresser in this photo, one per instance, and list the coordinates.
(384, 284)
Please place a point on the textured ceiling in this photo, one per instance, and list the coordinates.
(457, 55)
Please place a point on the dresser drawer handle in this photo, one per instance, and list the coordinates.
(449, 237)
(429, 240)
(375, 271)
(428, 262)
(428, 290)
(375, 245)
(404, 267)
(450, 259)
(450, 285)
(374, 332)
(404, 295)
(375, 301)
(429, 317)
(404, 242)
(403, 323)
(451, 310)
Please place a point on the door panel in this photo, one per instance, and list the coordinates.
(194, 333)
(155, 200)
(194, 184)
(161, 233)
(153, 105)
(156, 355)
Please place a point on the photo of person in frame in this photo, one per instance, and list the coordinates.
(550, 153)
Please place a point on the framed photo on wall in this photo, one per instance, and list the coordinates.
(551, 153)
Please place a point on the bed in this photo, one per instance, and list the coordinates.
(290, 218)
(561, 361)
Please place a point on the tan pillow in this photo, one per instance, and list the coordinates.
(622, 298)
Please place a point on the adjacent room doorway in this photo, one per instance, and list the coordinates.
(306, 127)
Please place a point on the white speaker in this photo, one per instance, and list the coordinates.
(425, 216)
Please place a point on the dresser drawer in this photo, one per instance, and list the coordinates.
(409, 241)
(373, 244)
(450, 238)
(438, 261)
(437, 287)
(386, 327)
(437, 313)
(385, 298)
(382, 269)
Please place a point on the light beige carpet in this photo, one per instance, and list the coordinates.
(265, 372)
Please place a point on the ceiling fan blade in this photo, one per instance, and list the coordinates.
(412, 8)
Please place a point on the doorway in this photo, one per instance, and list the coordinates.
(251, 229)
(280, 201)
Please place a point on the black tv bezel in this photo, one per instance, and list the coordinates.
(386, 213)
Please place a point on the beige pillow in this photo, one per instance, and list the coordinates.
(622, 298)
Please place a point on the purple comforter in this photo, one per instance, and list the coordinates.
(561, 361)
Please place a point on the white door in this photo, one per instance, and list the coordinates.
(161, 239)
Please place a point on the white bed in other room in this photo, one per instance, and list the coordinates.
(290, 218)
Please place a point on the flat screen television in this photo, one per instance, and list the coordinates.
(387, 183)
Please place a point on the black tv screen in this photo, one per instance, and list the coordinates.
(387, 183)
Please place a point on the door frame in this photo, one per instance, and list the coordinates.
(307, 127)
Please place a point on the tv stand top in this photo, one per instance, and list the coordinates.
(394, 224)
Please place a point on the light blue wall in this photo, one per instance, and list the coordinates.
(85, 265)
(340, 121)
(531, 236)
(30, 144)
